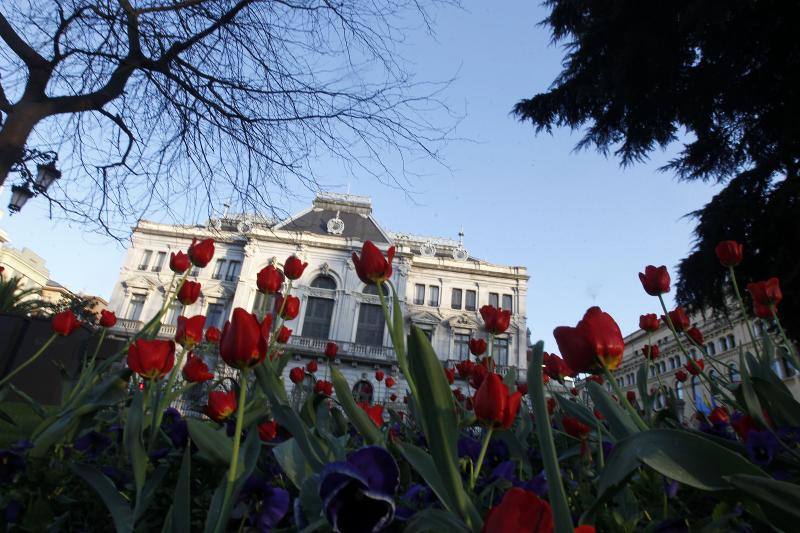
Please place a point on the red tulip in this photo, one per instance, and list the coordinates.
(696, 335)
(179, 262)
(555, 367)
(379, 375)
(478, 374)
(267, 431)
(766, 296)
(283, 335)
(323, 387)
(681, 376)
(312, 367)
(494, 405)
(389, 382)
(597, 379)
(650, 352)
(496, 320)
(151, 359)
(189, 292)
(393, 397)
(694, 367)
(465, 368)
(269, 280)
(573, 391)
(372, 267)
(477, 347)
(375, 412)
(64, 323)
(244, 341)
(631, 396)
(294, 267)
(522, 388)
(288, 310)
(221, 405)
(596, 342)
(195, 370)
(189, 331)
(331, 349)
(107, 318)
(520, 511)
(213, 335)
(655, 280)
(729, 253)
(450, 374)
(2, 269)
(649, 322)
(201, 252)
(598, 415)
(297, 374)
(551, 406)
(575, 428)
(679, 319)
(743, 425)
(719, 416)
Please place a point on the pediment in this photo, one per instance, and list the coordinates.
(425, 317)
(217, 290)
(140, 282)
(463, 321)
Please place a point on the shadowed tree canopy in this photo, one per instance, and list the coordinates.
(156, 105)
(720, 77)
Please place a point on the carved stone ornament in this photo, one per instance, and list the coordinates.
(460, 253)
(217, 224)
(428, 249)
(250, 249)
(325, 269)
(244, 226)
(335, 226)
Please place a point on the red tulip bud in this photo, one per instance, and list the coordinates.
(179, 262)
(64, 323)
(107, 318)
(201, 252)
(655, 280)
(294, 267)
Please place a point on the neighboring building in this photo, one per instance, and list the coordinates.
(724, 337)
(440, 285)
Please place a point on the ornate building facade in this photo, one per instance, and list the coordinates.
(440, 285)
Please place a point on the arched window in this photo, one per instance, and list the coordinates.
(362, 391)
(679, 389)
(371, 323)
(319, 310)
(713, 375)
(733, 372)
(695, 387)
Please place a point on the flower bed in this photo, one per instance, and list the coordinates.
(510, 455)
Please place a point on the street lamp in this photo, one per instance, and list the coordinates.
(46, 174)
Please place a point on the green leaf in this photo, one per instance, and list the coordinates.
(423, 463)
(510, 379)
(435, 520)
(688, 458)
(5, 417)
(748, 393)
(360, 420)
(310, 502)
(641, 384)
(181, 503)
(619, 421)
(292, 461)
(780, 499)
(113, 500)
(439, 421)
(134, 445)
(64, 423)
(398, 338)
(149, 491)
(248, 457)
(36, 406)
(779, 403)
(213, 443)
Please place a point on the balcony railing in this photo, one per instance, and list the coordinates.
(346, 348)
(128, 326)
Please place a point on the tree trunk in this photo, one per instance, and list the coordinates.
(14, 135)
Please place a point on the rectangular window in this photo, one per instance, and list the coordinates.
(233, 270)
(470, 304)
(160, 258)
(135, 307)
(711, 349)
(461, 346)
(195, 271)
(215, 315)
(263, 304)
(145, 259)
(455, 299)
(370, 325)
(723, 344)
(500, 352)
(434, 296)
(494, 299)
(317, 323)
(428, 333)
(173, 313)
(731, 341)
(220, 264)
(508, 302)
(419, 294)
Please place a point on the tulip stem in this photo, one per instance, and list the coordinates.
(30, 360)
(164, 400)
(486, 438)
(672, 328)
(624, 400)
(744, 310)
(237, 438)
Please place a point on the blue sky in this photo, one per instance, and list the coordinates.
(581, 224)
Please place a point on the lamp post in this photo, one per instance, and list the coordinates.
(46, 174)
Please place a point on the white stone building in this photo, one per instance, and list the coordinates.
(441, 286)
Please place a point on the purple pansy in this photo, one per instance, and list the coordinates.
(537, 484)
(92, 444)
(358, 494)
(275, 503)
(761, 447)
(469, 447)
